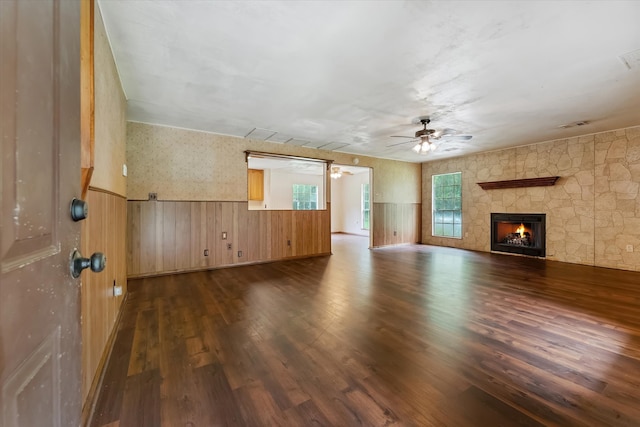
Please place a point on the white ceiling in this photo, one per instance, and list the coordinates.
(346, 75)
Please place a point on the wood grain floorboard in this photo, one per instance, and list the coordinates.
(407, 336)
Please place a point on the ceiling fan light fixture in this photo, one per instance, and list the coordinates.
(335, 173)
(424, 146)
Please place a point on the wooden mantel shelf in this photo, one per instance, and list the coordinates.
(519, 183)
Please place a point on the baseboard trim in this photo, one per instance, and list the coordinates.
(89, 406)
(243, 264)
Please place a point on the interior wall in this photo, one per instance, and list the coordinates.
(110, 116)
(337, 205)
(593, 211)
(281, 188)
(185, 165)
(172, 236)
(180, 164)
(104, 229)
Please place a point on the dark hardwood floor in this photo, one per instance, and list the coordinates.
(409, 335)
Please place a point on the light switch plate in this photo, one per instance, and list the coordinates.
(124, 170)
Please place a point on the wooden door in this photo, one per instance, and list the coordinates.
(40, 130)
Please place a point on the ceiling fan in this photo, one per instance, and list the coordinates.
(426, 138)
(337, 173)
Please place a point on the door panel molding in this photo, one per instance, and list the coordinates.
(23, 385)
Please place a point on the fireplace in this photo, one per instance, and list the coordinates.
(518, 233)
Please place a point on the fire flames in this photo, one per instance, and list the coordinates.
(520, 230)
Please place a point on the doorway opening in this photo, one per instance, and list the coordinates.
(352, 201)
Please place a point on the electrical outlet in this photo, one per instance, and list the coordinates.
(153, 196)
(224, 235)
(124, 170)
(206, 252)
(117, 290)
(239, 254)
(228, 245)
(629, 248)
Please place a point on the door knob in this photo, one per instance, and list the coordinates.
(79, 209)
(97, 262)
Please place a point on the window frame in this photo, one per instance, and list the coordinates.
(362, 206)
(450, 218)
(308, 191)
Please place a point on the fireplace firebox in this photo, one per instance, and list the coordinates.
(518, 233)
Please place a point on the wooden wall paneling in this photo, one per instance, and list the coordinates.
(241, 231)
(315, 244)
(312, 223)
(224, 223)
(121, 246)
(378, 221)
(417, 222)
(306, 223)
(148, 237)
(398, 223)
(326, 232)
(297, 233)
(266, 218)
(160, 243)
(390, 226)
(169, 236)
(277, 241)
(402, 218)
(255, 232)
(322, 229)
(183, 235)
(213, 235)
(407, 223)
(203, 235)
(172, 236)
(311, 226)
(133, 238)
(104, 230)
(287, 233)
(262, 236)
(198, 235)
(406, 210)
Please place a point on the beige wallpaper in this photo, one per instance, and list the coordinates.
(110, 120)
(593, 211)
(180, 164)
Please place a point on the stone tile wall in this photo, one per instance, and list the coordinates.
(593, 211)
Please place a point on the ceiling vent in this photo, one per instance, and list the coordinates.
(631, 59)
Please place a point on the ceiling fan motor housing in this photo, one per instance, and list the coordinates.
(424, 132)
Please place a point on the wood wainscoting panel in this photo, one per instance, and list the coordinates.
(183, 235)
(104, 231)
(396, 223)
(173, 236)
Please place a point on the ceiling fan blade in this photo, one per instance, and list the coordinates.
(456, 137)
(445, 132)
(403, 142)
(445, 138)
(402, 136)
